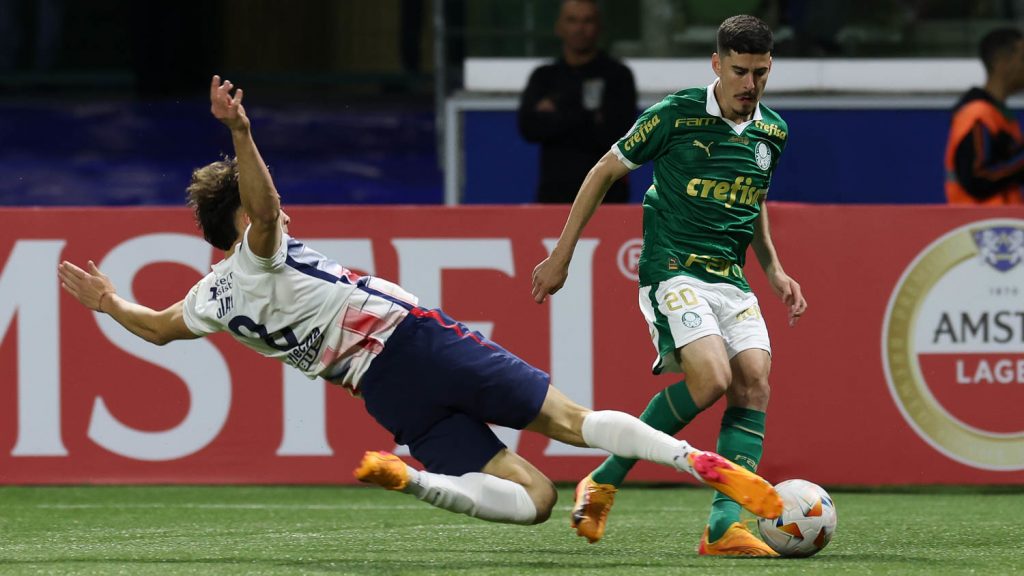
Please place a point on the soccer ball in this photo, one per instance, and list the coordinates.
(807, 522)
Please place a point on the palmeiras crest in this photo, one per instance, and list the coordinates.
(1001, 247)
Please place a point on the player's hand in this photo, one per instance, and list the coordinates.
(92, 288)
(790, 293)
(225, 107)
(548, 277)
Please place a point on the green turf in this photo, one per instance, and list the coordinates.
(326, 530)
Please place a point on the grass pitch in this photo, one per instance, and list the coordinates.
(331, 530)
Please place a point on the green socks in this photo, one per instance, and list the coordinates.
(741, 441)
(668, 411)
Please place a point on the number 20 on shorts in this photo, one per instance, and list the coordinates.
(680, 298)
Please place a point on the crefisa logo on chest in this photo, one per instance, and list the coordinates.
(953, 344)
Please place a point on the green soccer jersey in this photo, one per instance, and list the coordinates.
(710, 177)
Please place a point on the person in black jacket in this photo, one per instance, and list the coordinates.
(577, 107)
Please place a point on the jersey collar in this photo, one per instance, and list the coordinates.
(713, 109)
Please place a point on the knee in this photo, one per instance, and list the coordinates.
(544, 498)
(753, 393)
(761, 394)
(709, 386)
(717, 387)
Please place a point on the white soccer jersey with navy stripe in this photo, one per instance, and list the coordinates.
(299, 307)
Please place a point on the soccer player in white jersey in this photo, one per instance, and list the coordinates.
(428, 379)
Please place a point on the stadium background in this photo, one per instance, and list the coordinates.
(373, 117)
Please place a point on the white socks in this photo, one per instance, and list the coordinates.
(626, 436)
(474, 494)
(498, 500)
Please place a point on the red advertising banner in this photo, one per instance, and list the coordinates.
(907, 369)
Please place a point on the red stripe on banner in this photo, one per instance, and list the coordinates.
(985, 391)
(84, 401)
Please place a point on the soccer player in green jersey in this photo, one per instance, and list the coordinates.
(714, 150)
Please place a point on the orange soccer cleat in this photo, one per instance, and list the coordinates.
(737, 541)
(590, 513)
(748, 489)
(383, 469)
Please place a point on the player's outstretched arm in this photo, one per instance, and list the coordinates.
(784, 286)
(260, 200)
(95, 291)
(550, 275)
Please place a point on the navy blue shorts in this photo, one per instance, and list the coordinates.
(437, 385)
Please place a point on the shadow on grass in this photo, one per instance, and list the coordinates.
(391, 566)
(886, 562)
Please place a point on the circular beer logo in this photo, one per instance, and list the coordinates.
(762, 155)
(953, 344)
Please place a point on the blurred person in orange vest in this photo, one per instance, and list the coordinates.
(985, 151)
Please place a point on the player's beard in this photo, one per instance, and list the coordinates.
(745, 107)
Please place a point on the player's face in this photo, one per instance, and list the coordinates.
(742, 78)
(578, 26)
(285, 221)
(1015, 67)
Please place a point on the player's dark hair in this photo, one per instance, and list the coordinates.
(745, 34)
(998, 44)
(213, 197)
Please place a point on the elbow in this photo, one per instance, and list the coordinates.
(157, 338)
(605, 171)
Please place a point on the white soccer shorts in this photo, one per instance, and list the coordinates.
(683, 309)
